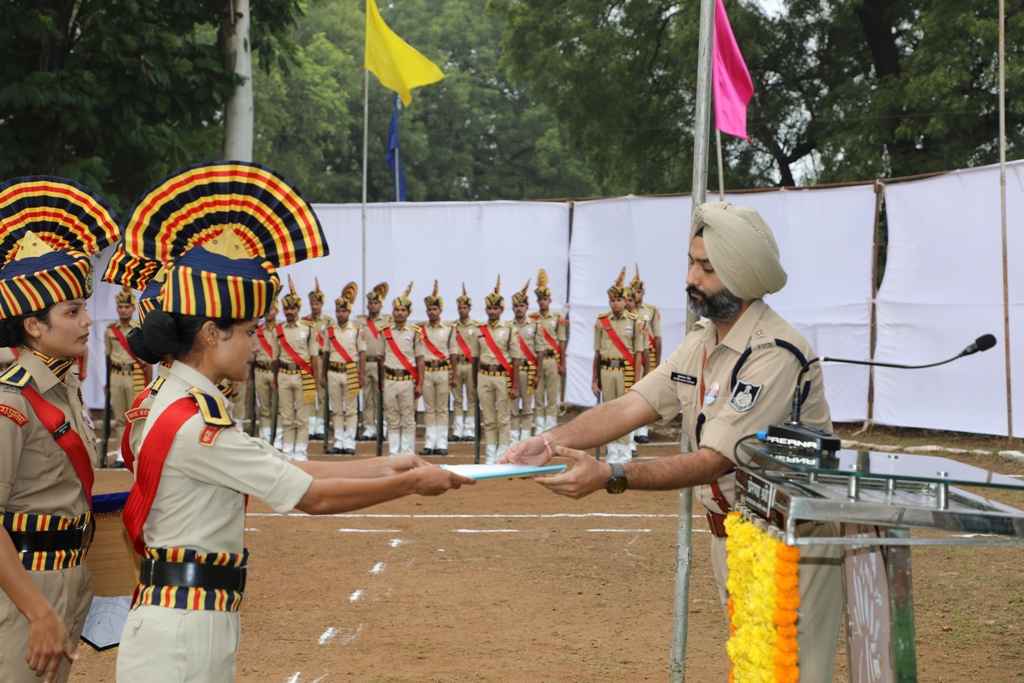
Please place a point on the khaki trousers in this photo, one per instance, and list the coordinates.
(292, 410)
(264, 396)
(436, 388)
(165, 645)
(464, 391)
(370, 395)
(341, 402)
(521, 409)
(494, 409)
(122, 395)
(70, 593)
(613, 385)
(400, 406)
(547, 393)
(821, 599)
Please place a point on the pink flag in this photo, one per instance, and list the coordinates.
(730, 79)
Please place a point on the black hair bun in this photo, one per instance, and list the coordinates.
(138, 347)
(160, 334)
(6, 336)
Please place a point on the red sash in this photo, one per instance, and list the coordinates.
(373, 328)
(337, 347)
(485, 332)
(530, 357)
(267, 348)
(401, 356)
(16, 352)
(147, 479)
(552, 342)
(626, 355)
(283, 341)
(67, 438)
(463, 346)
(430, 345)
(116, 329)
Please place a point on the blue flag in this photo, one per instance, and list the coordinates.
(394, 158)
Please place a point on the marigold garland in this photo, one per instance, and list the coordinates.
(764, 595)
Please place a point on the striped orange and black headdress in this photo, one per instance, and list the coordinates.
(139, 274)
(521, 297)
(292, 298)
(617, 290)
(378, 293)
(49, 227)
(403, 300)
(495, 298)
(125, 296)
(316, 294)
(464, 300)
(637, 284)
(542, 284)
(222, 229)
(348, 296)
(434, 299)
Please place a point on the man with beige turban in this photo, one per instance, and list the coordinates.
(733, 375)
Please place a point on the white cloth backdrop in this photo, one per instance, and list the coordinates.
(942, 289)
(452, 242)
(824, 237)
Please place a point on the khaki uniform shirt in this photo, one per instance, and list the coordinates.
(350, 337)
(270, 334)
(762, 395)
(321, 323)
(529, 331)
(6, 357)
(652, 320)
(504, 339)
(407, 339)
(36, 475)
(200, 503)
(301, 336)
(113, 346)
(554, 323)
(442, 336)
(627, 326)
(374, 345)
(468, 330)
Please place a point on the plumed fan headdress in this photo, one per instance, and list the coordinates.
(637, 284)
(434, 299)
(495, 298)
(464, 300)
(316, 294)
(348, 296)
(378, 293)
(292, 298)
(404, 299)
(125, 296)
(49, 227)
(617, 291)
(139, 274)
(521, 297)
(542, 284)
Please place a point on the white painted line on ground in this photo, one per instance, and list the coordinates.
(321, 678)
(395, 542)
(619, 531)
(555, 515)
(294, 678)
(251, 529)
(369, 531)
(328, 635)
(485, 531)
(377, 568)
(350, 635)
(355, 596)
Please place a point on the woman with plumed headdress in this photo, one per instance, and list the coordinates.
(223, 229)
(49, 227)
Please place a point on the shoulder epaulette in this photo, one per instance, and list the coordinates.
(604, 315)
(634, 316)
(535, 316)
(14, 378)
(307, 323)
(507, 324)
(357, 326)
(414, 327)
(211, 408)
(158, 383)
(111, 325)
(652, 307)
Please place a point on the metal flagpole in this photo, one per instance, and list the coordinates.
(1002, 209)
(398, 191)
(721, 171)
(366, 138)
(701, 132)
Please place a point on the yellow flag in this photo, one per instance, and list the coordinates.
(396, 63)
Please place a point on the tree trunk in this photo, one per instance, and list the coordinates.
(238, 115)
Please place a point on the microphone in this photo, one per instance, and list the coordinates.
(982, 343)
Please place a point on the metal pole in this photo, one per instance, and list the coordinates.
(366, 139)
(398, 189)
(721, 170)
(699, 187)
(1002, 210)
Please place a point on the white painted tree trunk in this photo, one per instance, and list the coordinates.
(238, 116)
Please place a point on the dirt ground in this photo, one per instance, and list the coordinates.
(504, 581)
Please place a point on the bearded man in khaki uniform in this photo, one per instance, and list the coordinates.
(438, 345)
(344, 351)
(551, 341)
(497, 380)
(371, 323)
(401, 376)
(734, 263)
(524, 332)
(295, 372)
(464, 383)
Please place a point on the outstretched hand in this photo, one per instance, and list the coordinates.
(586, 476)
(533, 452)
(433, 480)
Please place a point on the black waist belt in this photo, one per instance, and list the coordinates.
(264, 365)
(123, 367)
(614, 363)
(464, 359)
(549, 353)
(484, 367)
(338, 367)
(192, 575)
(437, 364)
(47, 541)
(397, 374)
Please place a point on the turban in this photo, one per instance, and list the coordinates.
(741, 248)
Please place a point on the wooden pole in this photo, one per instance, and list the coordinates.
(1002, 209)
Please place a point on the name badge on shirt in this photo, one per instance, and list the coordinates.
(685, 379)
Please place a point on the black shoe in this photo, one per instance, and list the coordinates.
(633, 455)
(362, 437)
(440, 451)
(641, 439)
(117, 465)
(454, 438)
(427, 451)
(347, 451)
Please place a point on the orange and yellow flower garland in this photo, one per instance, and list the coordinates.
(764, 595)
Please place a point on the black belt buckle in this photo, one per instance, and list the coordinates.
(48, 541)
(192, 575)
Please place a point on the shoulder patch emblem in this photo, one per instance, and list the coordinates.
(744, 396)
(13, 415)
(211, 408)
(208, 436)
(15, 377)
(136, 414)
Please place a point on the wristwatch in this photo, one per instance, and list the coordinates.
(617, 482)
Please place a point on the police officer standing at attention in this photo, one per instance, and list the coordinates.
(464, 428)
(734, 374)
(266, 351)
(617, 351)
(371, 324)
(186, 511)
(551, 340)
(524, 329)
(295, 374)
(345, 354)
(321, 322)
(499, 371)
(49, 228)
(401, 376)
(651, 317)
(437, 348)
(128, 375)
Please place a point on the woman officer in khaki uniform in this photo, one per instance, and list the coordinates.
(224, 228)
(48, 229)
